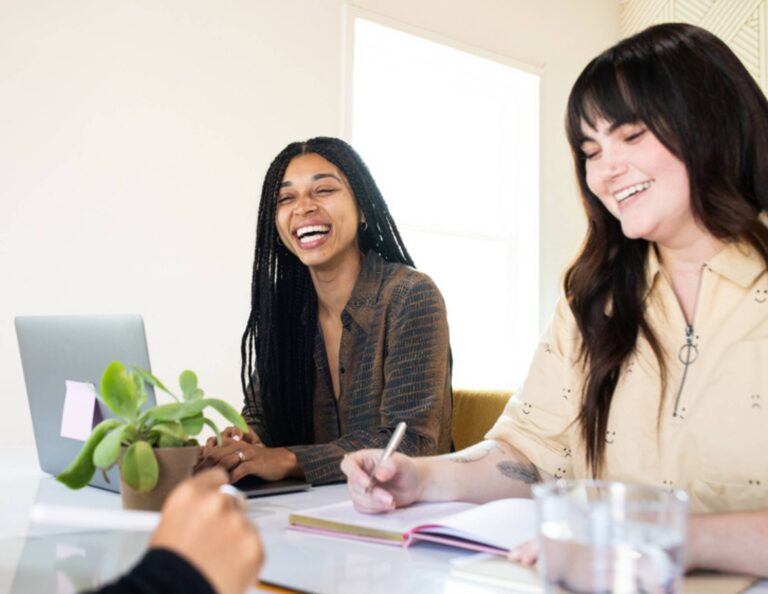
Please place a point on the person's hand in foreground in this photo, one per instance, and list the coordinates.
(207, 528)
(525, 554)
(398, 481)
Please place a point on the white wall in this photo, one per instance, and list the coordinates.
(134, 136)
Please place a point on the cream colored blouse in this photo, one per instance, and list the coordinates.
(712, 439)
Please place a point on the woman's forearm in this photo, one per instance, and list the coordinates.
(486, 471)
(735, 542)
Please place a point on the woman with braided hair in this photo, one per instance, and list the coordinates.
(344, 338)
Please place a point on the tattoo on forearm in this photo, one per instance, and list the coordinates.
(527, 473)
(475, 454)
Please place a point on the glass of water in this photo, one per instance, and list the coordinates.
(601, 537)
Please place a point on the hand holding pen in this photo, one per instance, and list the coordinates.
(394, 443)
(395, 483)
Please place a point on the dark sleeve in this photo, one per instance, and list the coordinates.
(417, 385)
(160, 571)
(253, 411)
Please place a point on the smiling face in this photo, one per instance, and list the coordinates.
(317, 216)
(641, 182)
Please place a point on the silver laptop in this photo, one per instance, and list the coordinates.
(59, 349)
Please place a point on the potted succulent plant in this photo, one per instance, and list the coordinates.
(155, 448)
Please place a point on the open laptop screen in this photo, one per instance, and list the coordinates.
(59, 349)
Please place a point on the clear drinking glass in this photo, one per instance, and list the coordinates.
(601, 537)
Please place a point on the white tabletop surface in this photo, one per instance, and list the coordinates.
(42, 559)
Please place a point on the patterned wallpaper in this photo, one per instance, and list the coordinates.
(740, 23)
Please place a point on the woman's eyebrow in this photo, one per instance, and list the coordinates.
(318, 176)
(315, 177)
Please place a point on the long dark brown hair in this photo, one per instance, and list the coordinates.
(696, 97)
(278, 342)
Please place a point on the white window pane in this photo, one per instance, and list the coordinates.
(452, 140)
(478, 315)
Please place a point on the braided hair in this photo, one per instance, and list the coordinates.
(278, 343)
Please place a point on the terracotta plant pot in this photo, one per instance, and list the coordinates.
(174, 465)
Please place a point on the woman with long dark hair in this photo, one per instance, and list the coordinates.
(654, 367)
(344, 338)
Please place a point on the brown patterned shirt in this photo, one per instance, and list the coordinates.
(394, 365)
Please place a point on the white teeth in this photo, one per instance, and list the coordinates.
(307, 234)
(312, 229)
(631, 191)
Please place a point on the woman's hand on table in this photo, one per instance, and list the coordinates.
(525, 554)
(242, 454)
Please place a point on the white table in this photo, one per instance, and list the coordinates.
(39, 559)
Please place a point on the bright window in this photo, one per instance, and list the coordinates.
(452, 139)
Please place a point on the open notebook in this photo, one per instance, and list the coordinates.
(493, 527)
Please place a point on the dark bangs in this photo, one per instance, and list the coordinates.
(631, 82)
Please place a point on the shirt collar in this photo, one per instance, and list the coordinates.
(739, 263)
(365, 294)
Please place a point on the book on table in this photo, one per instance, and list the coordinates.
(494, 527)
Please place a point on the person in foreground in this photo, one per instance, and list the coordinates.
(653, 369)
(344, 339)
(203, 544)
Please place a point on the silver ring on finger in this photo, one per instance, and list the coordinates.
(241, 456)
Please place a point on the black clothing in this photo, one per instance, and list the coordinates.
(160, 571)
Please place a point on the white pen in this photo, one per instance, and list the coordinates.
(394, 443)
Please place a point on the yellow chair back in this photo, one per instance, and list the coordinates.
(474, 413)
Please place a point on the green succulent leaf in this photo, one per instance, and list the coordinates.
(192, 425)
(139, 467)
(175, 411)
(169, 435)
(80, 471)
(141, 391)
(119, 392)
(213, 426)
(228, 412)
(151, 379)
(169, 440)
(108, 451)
(188, 383)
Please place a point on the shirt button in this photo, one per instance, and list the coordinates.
(342, 369)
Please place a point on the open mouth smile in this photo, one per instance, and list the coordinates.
(311, 234)
(626, 193)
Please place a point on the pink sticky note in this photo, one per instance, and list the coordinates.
(79, 410)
